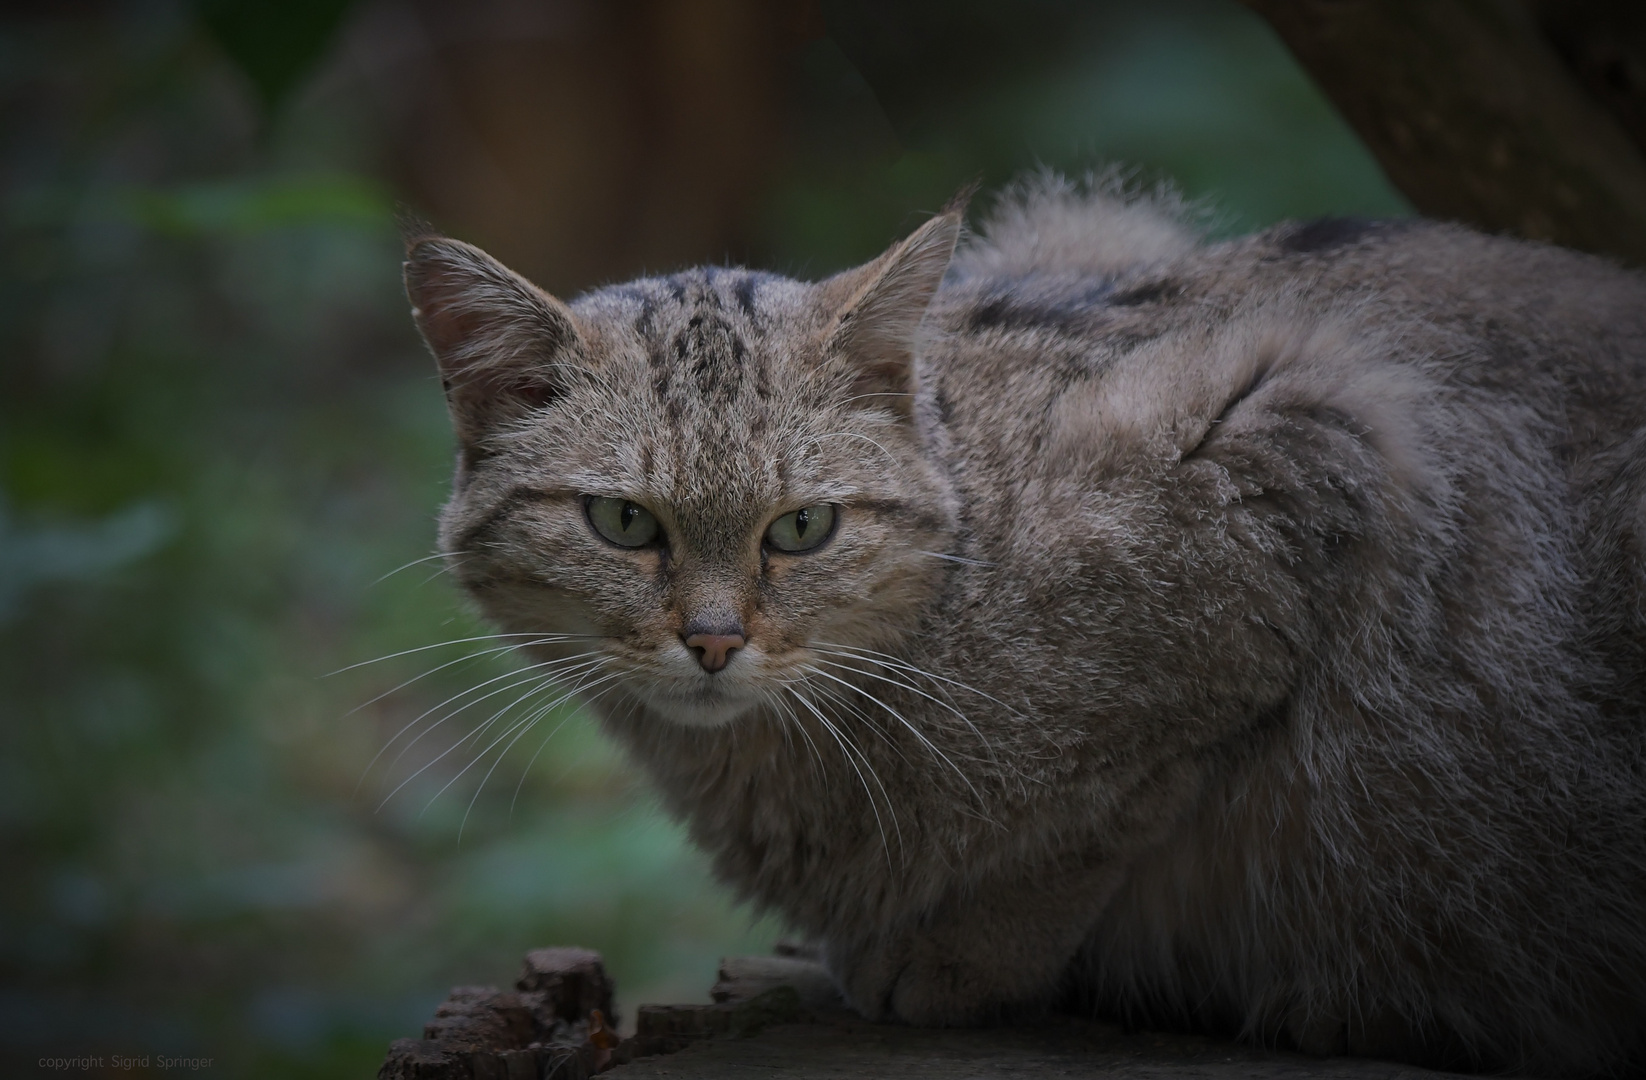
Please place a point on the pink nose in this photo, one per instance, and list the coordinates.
(713, 650)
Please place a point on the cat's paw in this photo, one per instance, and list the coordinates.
(918, 981)
(866, 974)
(935, 991)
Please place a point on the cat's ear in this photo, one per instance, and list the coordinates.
(504, 346)
(881, 306)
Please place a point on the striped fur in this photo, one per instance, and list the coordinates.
(1244, 636)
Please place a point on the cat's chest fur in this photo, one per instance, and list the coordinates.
(1242, 635)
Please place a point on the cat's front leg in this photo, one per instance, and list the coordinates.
(989, 953)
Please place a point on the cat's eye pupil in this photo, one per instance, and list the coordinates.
(801, 518)
(629, 511)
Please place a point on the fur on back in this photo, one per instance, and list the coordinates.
(1244, 636)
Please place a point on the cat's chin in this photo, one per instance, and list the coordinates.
(705, 712)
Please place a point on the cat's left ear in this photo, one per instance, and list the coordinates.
(878, 326)
(504, 346)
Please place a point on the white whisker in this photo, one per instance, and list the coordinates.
(437, 573)
(414, 721)
(439, 667)
(540, 746)
(853, 435)
(874, 807)
(795, 722)
(416, 562)
(538, 682)
(874, 656)
(880, 393)
(964, 719)
(459, 641)
(542, 668)
(916, 732)
(524, 726)
(953, 558)
(543, 683)
(829, 693)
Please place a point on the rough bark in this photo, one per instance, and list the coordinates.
(554, 1024)
(780, 1016)
(1508, 115)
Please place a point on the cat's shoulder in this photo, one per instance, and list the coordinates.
(1110, 315)
(1051, 237)
(1058, 266)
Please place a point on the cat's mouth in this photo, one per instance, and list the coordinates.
(709, 706)
(678, 690)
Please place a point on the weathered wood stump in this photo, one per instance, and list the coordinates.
(779, 1018)
(554, 1023)
(558, 1020)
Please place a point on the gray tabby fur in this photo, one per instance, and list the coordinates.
(1242, 635)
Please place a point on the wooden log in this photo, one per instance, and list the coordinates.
(781, 1017)
(552, 1024)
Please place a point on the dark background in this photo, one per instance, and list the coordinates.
(218, 434)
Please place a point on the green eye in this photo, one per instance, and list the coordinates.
(801, 530)
(622, 522)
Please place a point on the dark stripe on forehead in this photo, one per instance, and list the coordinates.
(743, 291)
(657, 355)
(650, 297)
(708, 295)
(698, 331)
(714, 354)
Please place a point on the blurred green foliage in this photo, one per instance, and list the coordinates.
(908, 102)
(274, 42)
(219, 436)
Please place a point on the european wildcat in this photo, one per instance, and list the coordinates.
(1244, 635)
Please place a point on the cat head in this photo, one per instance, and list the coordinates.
(678, 485)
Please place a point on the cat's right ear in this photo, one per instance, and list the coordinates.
(880, 307)
(504, 346)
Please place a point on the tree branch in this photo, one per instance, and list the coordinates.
(1476, 115)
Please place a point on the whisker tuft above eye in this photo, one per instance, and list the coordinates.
(855, 435)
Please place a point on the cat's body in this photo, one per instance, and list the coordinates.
(1246, 635)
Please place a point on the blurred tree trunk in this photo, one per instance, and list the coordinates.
(582, 140)
(1522, 116)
